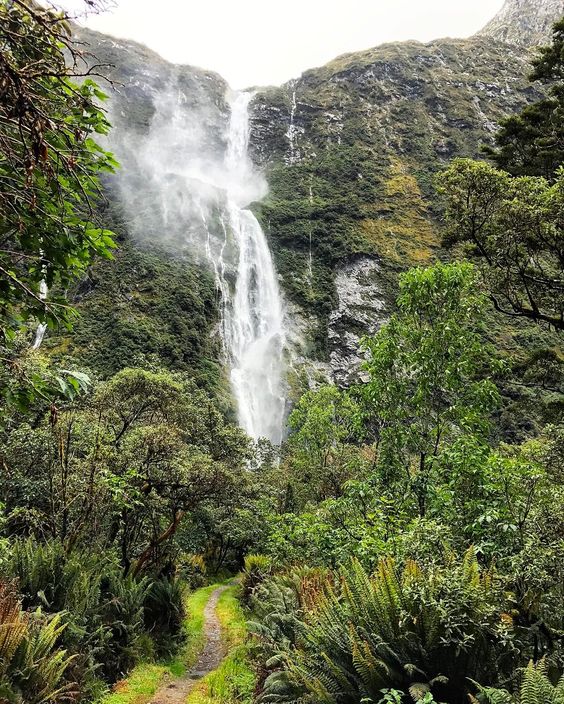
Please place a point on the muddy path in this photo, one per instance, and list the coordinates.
(175, 691)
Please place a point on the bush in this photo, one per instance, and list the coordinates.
(32, 667)
(103, 611)
(164, 612)
(421, 631)
(257, 568)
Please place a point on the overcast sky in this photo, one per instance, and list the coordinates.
(262, 42)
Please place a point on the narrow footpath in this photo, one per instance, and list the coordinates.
(176, 691)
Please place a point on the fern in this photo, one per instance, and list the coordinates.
(420, 632)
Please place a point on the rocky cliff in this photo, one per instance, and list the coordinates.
(523, 22)
(349, 149)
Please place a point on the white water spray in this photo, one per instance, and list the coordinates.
(253, 322)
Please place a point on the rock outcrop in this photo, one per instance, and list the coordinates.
(524, 22)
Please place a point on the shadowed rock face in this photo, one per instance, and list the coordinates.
(524, 22)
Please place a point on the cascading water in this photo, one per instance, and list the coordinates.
(189, 184)
(253, 320)
(42, 327)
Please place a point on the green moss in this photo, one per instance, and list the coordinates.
(145, 308)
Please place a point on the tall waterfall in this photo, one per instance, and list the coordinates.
(188, 184)
(253, 319)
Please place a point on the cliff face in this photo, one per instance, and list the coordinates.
(524, 22)
(349, 149)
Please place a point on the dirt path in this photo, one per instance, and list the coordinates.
(176, 691)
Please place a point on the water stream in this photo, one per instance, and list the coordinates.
(253, 318)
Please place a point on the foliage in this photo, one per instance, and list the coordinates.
(513, 225)
(429, 370)
(418, 631)
(257, 569)
(536, 688)
(532, 142)
(322, 454)
(32, 666)
(145, 307)
(152, 447)
(49, 167)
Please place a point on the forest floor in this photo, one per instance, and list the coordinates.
(176, 691)
(211, 669)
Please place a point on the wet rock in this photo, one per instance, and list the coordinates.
(360, 311)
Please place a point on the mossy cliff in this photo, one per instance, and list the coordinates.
(350, 151)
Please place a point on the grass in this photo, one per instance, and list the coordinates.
(233, 681)
(145, 678)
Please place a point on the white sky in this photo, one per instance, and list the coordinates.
(262, 42)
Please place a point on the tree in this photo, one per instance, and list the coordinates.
(532, 142)
(125, 467)
(322, 452)
(49, 165)
(429, 383)
(514, 227)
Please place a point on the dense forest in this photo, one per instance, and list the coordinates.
(405, 543)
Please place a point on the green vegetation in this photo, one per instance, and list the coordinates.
(233, 681)
(141, 684)
(441, 519)
(145, 678)
(513, 225)
(531, 143)
(406, 542)
(50, 167)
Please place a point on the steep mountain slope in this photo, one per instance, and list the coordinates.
(154, 304)
(524, 22)
(349, 150)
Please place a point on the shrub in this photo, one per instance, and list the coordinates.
(257, 568)
(419, 631)
(164, 611)
(32, 667)
(536, 688)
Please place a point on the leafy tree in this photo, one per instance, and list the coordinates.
(514, 227)
(322, 452)
(134, 461)
(429, 384)
(49, 165)
(532, 142)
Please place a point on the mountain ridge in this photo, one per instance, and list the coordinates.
(524, 22)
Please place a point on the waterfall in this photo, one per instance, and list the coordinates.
(42, 327)
(253, 320)
(189, 182)
(291, 134)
